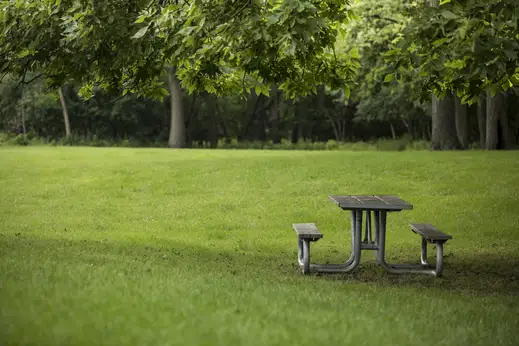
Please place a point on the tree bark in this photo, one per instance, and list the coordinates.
(504, 125)
(22, 110)
(213, 127)
(444, 136)
(461, 123)
(482, 115)
(497, 122)
(65, 112)
(275, 115)
(177, 130)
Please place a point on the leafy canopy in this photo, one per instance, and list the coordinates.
(219, 46)
(462, 46)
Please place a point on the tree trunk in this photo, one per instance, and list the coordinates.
(504, 125)
(177, 130)
(213, 127)
(393, 134)
(408, 128)
(24, 129)
(275, 115)
(462, 123)
(482, 115)
(65, 112)
(497, 122)
(444, 136)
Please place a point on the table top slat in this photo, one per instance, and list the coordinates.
(370, 202)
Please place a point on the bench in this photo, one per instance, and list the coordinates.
(432, 235)
(306, 233)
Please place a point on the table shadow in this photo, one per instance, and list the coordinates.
(486, 275)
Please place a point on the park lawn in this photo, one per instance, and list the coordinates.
(106, 246)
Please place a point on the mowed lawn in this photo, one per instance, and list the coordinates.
(106, 246)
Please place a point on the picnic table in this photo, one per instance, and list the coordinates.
(373, 210)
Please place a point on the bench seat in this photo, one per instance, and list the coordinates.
(429, 232)
(307, 231)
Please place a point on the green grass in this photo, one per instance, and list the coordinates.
(105, 246)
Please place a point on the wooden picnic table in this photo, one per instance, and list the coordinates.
(373, 210)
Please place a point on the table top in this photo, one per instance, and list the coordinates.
(371, 202)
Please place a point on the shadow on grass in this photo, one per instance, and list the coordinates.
(481, 274)
(487, 274)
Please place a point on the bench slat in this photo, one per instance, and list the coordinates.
(429, 232)
(307, 231)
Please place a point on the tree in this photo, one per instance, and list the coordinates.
(216, 45)
(379, 98)
(177, 131)
(461, 47)
(65, 111)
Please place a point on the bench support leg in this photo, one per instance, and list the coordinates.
(423, 254)
(439, 259)
(303, 254)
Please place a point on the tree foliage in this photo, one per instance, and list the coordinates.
(463, 46)
(219, 46)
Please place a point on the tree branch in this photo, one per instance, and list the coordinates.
(32, 79)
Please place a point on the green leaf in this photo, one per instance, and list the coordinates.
(142, 31)
(354, 53)
(448, 15)
(391, 52)
(292, 47)
(443, 2)
(347, 92)
(25, 53)
(389, 78)
(440, 41)
(265, 90)
(141, 19)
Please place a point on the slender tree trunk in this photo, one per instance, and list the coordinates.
(444, 136)
(65, 112)
(482, 115)
(393, 133)
(22, 111)
(213, 127)
(177, 130)
(461, 123)
(408, 127)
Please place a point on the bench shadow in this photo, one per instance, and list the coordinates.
(485, 275)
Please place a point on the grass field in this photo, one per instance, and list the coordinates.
(163, 247)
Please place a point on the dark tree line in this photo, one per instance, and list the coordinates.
(441, 71)
(209, 118)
